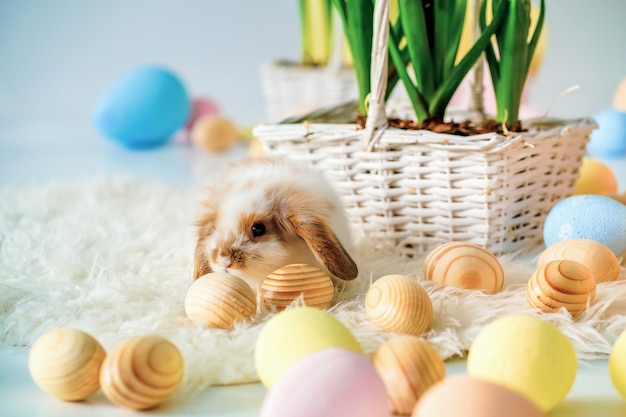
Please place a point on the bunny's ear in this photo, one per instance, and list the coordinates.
(324, 244)
(206, 225)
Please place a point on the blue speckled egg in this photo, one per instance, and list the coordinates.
(609, 139)
(592, 217)
(143, 108)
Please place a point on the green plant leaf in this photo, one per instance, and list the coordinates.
(357, 18)
(415, 26)
(509, 68)
(449, 17)
(400, 58)
(451, 83)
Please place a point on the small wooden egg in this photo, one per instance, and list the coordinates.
(214, 133)
(600, 260)
(66, 363)
(397, 303)
(464, 265)
(557, 284)
(220, 301)
(142, 372)
(408, 366)
(286, 284)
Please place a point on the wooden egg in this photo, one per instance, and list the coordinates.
(557, 284)
(66, 363)
(220, 301)
(286, 284)
(397, 303)
(464, 265)
(142, 372)
(600, 260)
(214, 133)
(408, 366)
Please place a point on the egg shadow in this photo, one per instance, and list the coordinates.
(599, 407)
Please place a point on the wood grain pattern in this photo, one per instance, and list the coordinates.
(397, 303)
(464, 265)
(561, 284)
(142, 372)
(286, 284)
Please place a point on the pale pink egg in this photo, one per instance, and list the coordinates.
(200, 106)
(331, 383)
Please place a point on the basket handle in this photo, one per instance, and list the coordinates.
(376, 120)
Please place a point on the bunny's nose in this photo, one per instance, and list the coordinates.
(224, 261)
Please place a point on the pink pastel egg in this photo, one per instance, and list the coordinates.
(200, 106)
(331, 383)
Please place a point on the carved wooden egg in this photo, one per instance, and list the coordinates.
(464, 265)
(397, 303)
(142, 372)
(286, 284)
(600, 260)
(408, 366)
(66, 363)
(557, 284)
(220, 301)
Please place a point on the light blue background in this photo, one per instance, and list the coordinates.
(57, 56)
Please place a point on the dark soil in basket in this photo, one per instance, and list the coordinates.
(464, 128)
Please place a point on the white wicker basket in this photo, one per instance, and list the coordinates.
(291, 89)
(417, 189)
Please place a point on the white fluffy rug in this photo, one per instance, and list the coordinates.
(114, 258)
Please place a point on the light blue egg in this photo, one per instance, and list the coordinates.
(609, 138)
(143, 108)
(591, 217)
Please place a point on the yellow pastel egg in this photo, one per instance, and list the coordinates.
(295, 333)
(595, 178)
(214, 133)
(66, 363)
(528, 355)
(617, 364)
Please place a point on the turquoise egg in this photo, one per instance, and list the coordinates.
(592, 217)
(143, 108)
(609, 138)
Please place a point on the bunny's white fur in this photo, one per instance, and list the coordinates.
(264, 213)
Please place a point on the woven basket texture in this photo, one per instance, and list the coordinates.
(418, 189)
(291, 90)
(414, 190)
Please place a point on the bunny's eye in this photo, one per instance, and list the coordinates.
(258, 229)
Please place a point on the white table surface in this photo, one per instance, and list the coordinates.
(33, 154)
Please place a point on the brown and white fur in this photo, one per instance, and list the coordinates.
(264, 213)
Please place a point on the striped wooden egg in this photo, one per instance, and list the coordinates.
(220, 301)
(464, 265)
(397, 303)
(142, 372)
(286, 284)
(600, 260)
(408, 366)
(559, 284)
(66, 363)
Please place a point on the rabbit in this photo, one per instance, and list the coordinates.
(263, 213)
